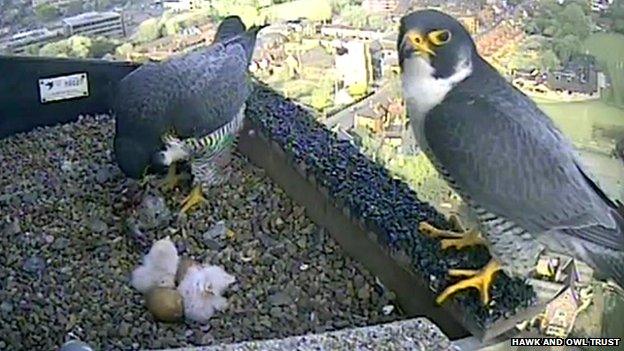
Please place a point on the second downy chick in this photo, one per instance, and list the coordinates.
(201, 289)
(159, 267)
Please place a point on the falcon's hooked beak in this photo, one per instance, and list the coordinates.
(423, 44)
(415, 42)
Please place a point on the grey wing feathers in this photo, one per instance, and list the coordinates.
(136, 96)
(510, 159)
(215, 85)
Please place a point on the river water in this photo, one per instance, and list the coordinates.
(594, 128)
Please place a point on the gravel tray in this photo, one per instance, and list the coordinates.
(72, 229)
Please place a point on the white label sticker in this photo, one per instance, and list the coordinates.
(63, 87)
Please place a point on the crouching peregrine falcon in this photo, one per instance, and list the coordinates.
(187, 108)
(504, 157)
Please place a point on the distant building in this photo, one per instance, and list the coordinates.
(182, 5)
(559, 317)
(594, 5)
(353, 63)
(380, 5)
(600, 5)
(382, 116)
(367, 118)
(563, 282)
(108, 24)
(385, 57)
(580, 75)
(18, 43)
(345, 32)
(55, 3)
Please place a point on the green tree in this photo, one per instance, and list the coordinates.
(354, 16)
(548, 61)
(320, 99)
(573, 21)
(32, 50)
(76, 46)
(147, 31)
(75, 7)
(123, 50)
(616, 14)
(357, 89)
(377, 22)
(170, 27)
(101, 46)
(46, 12)
(566, 47)
(339, 5)
(565, 27)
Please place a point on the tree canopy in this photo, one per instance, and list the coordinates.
(147, 31)
(79, 47)
(46, 12)
(616, 14)
(563, 26)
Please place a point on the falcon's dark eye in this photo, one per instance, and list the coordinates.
(439, 37)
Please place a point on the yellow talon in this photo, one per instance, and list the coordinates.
(173, 179)
(453, 239)
(480, 279)
(469, 238)
(193, 199)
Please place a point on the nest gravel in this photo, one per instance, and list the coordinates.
(72, 228)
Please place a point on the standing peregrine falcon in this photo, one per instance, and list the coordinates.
(188, 107)
(504, 157)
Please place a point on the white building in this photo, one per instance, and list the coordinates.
(182, 5)
(108, 24)
(352, 63)
(600, 5)
(55, 3)
(17, 43)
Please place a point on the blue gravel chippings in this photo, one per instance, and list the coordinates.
(387, 205)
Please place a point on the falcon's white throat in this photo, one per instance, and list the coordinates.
(421, 90)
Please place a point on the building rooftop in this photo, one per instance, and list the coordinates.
(89, 17)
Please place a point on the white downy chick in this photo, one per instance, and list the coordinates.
(201, 290)
(159, 267)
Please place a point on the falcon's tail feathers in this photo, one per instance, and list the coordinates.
(619, 218)
(609, 265)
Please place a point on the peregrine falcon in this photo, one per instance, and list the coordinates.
(187, 108)
(516, 171)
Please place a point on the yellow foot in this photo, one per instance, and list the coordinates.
(453, 239)
(480, 279)
(173, 179)
(193, 199)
